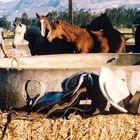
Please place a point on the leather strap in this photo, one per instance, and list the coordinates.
(133, 104)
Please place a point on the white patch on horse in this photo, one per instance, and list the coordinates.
(42, 27)
(49, 33)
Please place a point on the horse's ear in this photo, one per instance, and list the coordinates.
(102, 14)
(105, 14)
(49, 14)
(37, 15)
(20, 24)
(14, 24)
(58, 22)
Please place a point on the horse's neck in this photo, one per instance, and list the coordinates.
(31, 33)
(48, 28)
(72, 32)
(22, 36)
(24, 41)
(26, 34)
(1, 35)
(1, 30)
(106, 24)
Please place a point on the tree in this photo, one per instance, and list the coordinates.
(5, 23)
(137, 18)
(82, 17)
(24, 18)
(122, 16)
(17, 19)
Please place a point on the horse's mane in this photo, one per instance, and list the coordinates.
(107, 22)
(32, 32)
(100, 22)
(71, 28)
(48, 23)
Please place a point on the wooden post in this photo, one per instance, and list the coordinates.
(70, 12)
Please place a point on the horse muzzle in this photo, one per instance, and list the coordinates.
(49, 38)
(43, 34)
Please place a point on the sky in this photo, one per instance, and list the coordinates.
(5, 0)
(126, 0)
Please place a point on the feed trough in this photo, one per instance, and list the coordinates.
(51, 70)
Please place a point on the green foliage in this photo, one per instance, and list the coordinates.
(26, 20)
(120, 17)
(136, 19)
(82, 17)
(5, 23)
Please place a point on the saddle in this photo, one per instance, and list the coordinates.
(86, 94)
(78, 96)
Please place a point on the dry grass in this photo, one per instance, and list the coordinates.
(100, 127)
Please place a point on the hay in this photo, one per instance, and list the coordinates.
(100, 127)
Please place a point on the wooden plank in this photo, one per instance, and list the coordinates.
(70, 61)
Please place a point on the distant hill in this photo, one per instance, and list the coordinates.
(17, 7)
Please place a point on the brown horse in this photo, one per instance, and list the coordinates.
(44, 24)
(85, 41)
(115, 38)
(45, 27)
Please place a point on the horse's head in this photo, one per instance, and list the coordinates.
(101, 22)
(44, 24)
(20, 30)
(56, 32)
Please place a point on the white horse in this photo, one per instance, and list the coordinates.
(19, 32)
(30, 36)
(20, 41)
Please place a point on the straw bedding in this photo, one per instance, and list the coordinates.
(21, 126)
